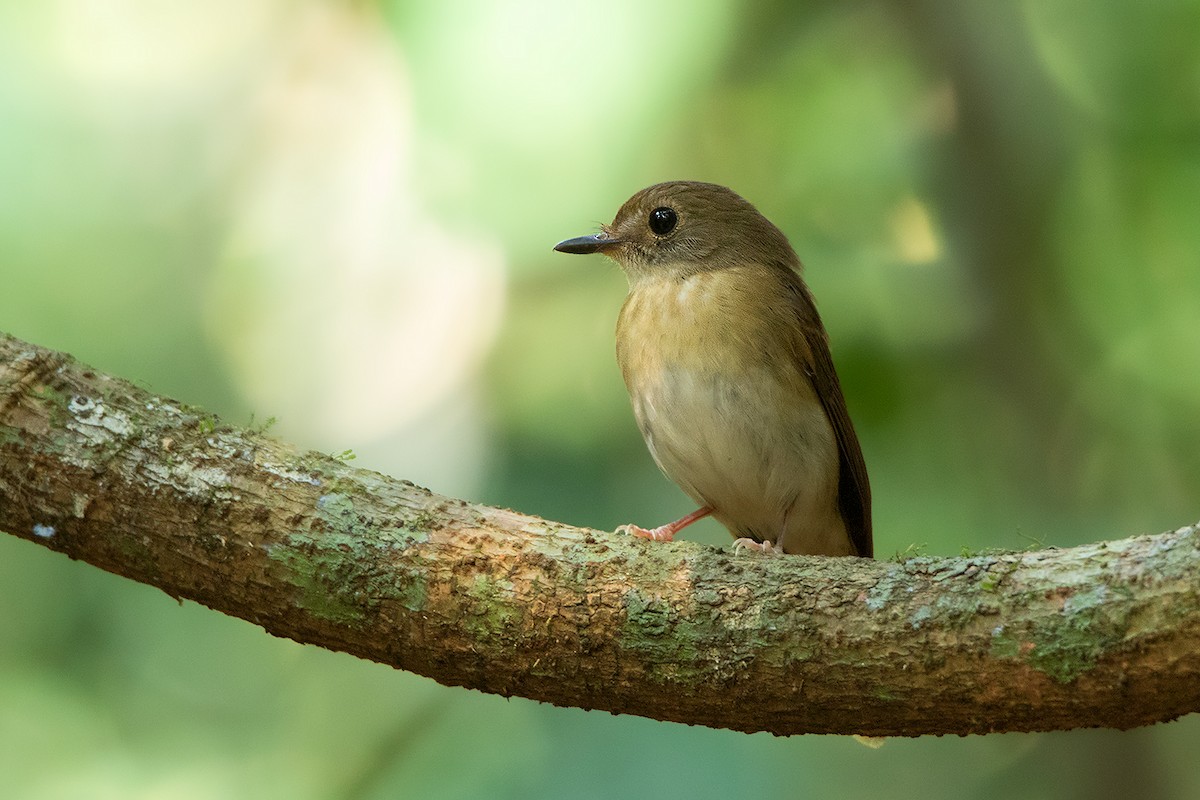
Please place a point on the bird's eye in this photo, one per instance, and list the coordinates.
(663, 220)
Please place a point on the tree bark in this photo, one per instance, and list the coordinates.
(314, 550)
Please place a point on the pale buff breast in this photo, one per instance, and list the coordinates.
(728, 414)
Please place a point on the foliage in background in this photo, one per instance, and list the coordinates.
(340, 215)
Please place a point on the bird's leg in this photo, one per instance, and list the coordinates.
(665, 533)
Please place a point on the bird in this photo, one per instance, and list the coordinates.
(730, 375)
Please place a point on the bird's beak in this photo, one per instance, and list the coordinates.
(596, 243)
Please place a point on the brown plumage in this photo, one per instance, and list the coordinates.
(728, 368)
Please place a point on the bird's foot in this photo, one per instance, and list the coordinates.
(666, 533)
(746, 543)
(663, 533)
(873, 742)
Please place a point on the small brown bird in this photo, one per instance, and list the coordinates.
(728, 368)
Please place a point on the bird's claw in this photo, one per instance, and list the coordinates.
(746, 543)
(663, 533)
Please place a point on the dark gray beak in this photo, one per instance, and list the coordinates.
(586, 244)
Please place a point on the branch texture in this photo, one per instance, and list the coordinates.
(311, 549)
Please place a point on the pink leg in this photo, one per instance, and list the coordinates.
(665, 533)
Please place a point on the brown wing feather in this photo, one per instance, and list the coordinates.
(854, 490)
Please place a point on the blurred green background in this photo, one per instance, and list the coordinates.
(340, 214)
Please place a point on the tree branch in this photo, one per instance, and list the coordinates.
(311, 549)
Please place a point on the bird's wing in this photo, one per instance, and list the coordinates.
(854, 490)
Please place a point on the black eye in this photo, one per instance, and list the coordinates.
(663, 220)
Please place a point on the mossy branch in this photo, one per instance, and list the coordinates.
(312, 549)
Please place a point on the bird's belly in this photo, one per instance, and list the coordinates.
(728, 411)
(759, 452)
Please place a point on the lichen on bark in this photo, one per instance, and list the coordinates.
(310, 548)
